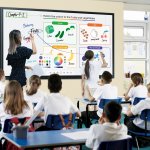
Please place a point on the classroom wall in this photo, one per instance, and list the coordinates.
(137, 7)
(71, 87)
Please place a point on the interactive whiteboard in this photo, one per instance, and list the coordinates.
(61, 38)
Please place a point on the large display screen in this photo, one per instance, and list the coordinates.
(62, 38)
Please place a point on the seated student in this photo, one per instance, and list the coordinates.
(33, 93)
(14, 104)
(136, 89)
(56, 103)
(137, 124)
(2, 80)
(105, 90)
(109, 127)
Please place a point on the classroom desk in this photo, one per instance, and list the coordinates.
(87, 103)
(48, 139)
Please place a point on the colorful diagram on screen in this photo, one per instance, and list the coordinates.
(58, 61)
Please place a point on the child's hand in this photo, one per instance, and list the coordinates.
(100, 82)
(102, 55)
(101, 120)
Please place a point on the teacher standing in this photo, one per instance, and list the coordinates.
(17, 56)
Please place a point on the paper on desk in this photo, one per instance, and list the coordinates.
(36, 70)
(79, 135)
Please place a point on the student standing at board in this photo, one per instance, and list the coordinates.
(17, 56)
(90, 73)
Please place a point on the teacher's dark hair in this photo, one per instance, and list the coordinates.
(88, 55)
(54, 83)
(14, 41)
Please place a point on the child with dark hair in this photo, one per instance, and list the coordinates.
(90, 73)
(105, 90)
(2, 80)
(55, 103)
(136, 88)
(109, 127)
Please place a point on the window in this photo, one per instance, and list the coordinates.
(134, 15)
(135, 49)
(136, 43)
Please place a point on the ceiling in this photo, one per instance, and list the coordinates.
(144, 2)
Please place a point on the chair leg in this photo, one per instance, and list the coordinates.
(137, 143)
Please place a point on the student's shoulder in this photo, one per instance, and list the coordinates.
(96, 127)
(65, 97)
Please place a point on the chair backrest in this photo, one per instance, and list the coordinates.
(104, 101)
(8, 123)
(137, 100)
(54, 122)
(145, 115)
(125, 144)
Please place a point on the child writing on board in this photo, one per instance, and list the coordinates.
(90, 73)
(17, 56)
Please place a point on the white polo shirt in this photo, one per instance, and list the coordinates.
(138, 91)
(137, 109)
(35, 98)
(56, 103)
(105, 132)
(94, 71)
(106, 91)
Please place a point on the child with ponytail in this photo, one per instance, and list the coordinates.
(90, 73)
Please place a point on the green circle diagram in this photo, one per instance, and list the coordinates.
(49, 29)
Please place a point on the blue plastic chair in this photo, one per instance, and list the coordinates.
(125, 144)
(54, 121)
(103, 101)
(145, 115)
(8, 123)
(137, 100)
